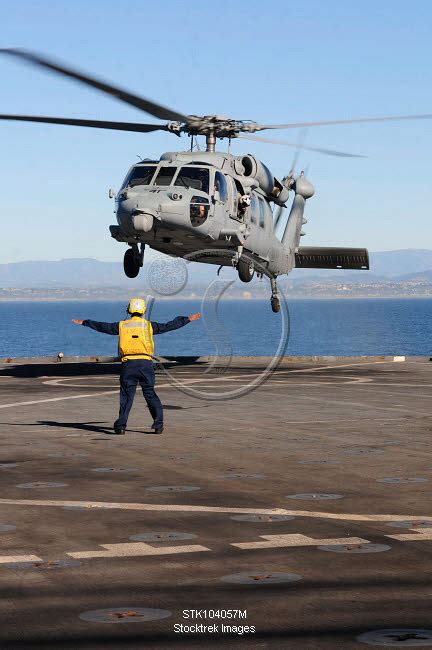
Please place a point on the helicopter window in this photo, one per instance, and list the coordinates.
(199, 209)
(253, 208)
(221, 186)
(141, 175)
(194, 177)
(165, 176)
(261, 213)
(232, 191)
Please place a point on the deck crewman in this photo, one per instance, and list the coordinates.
(136, 348)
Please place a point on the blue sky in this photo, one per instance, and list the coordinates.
(268, 61)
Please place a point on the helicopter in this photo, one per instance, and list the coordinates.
(209, 206)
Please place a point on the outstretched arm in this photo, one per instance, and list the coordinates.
(180, 321)
(105, 328)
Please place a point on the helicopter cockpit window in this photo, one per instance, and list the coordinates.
(253, 208)
(199, 209)
(221, 186)
(165, 176)
(194, 177)
(140, 175)
(261, 213)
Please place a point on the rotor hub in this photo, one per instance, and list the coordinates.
(220, 127)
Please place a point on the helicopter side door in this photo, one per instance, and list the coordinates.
(233, 200)
(220, 195)
(259, 225)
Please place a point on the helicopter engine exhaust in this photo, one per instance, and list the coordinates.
(253, 168)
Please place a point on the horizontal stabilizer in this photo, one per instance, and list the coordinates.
(312, 257)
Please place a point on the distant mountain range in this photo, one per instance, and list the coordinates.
(400, 265)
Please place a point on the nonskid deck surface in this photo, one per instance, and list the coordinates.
(305, 503)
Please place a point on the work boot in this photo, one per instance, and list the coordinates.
(120, 432)
(158, 429)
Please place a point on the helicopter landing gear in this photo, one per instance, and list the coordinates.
(133, 260)
(246, 269)
(275, 304)
(274, 300)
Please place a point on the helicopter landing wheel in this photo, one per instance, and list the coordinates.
(275, 304)
(131, 263)
(246, 269)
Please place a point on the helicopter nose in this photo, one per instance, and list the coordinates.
(133, 219)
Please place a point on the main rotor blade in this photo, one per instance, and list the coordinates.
(388, 118)
(97, 124)
(157, 110)
(328, 152)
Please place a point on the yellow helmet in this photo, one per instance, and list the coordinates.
(136, 306)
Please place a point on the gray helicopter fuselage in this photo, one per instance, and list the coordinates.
(187, 205)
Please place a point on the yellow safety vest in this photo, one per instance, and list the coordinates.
(135, 339)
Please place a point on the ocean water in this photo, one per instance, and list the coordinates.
(247, 327)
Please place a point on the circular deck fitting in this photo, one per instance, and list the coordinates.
(41, 565)
(124, 615)
(394, 480)
(115, 470)
(173, 488)
(410, 523)
(161, 537)
(363, 452)
(261, 578)
(319, 462)
(404, 637)
(354, 548)
(262, 518)
(7, 528)
(318, 496)
(240, 476)
(39, 485)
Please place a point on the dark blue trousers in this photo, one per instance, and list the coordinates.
(138, 371)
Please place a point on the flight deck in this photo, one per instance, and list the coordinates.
(288, 508)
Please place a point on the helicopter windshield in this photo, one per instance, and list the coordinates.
(141, 175)
(195, 177)
(165, 176)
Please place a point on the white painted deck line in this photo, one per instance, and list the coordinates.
(317, 514)
(285, 541)
(417, 534)
(19, 558)
(55, 399)
(137, 549)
